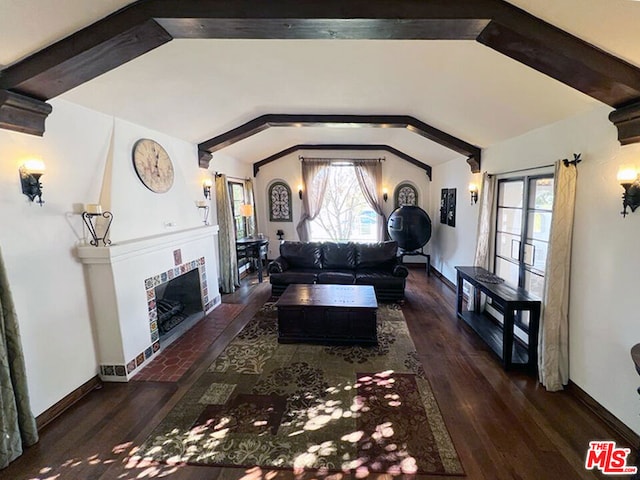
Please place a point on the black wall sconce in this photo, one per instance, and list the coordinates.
(473, 191)
(206, 188)
(92, 211)
(30, 173)
(300, 191)
(628, 178)
(280, 234)
(385, 194)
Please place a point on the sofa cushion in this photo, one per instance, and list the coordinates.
(296, 276)
(337, 277)
(377, 255)
(378, 279)
(338, 255)
(301, 254)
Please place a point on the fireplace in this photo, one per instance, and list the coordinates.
(177, 301)
(134, 283)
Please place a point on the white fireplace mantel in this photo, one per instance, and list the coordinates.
(120, 251)
(122, 278)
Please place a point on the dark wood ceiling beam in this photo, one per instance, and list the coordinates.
(627, 121)
(564, 57)
(342, 147)
(84, 55)
(147, 24)
(412, 124)
(324, 29)
(22, 114)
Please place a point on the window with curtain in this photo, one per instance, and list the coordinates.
(237, 194)
(523, 224)
(345, 214)
(524, 212)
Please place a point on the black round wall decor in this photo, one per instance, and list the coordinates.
(410, 226)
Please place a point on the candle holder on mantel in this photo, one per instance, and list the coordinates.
(89, 216)
(203, 207)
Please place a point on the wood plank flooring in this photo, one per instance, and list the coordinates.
(504, 424)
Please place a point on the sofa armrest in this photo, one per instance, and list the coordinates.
(400, 271)
(278, 265)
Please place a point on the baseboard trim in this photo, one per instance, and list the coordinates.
(603, 414)
(49, 415)
(444, 279)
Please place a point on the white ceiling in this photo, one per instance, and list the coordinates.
(197, 89)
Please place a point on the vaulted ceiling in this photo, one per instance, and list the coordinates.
(480, 71)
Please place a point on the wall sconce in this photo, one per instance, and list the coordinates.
(628, 178)
(30, 173)
(300, 191)
(92, 211)
(204, 210)
(473, 191)
(280, 234)
(206, 188)
(385, 194)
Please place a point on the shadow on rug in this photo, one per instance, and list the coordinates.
(299, 406)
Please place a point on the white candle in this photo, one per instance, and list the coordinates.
(201, 203)
(93, 208)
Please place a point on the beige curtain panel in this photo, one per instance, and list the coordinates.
(313, 195)
(17, 424)
(369, 175)
(229, 277)
(553, 349)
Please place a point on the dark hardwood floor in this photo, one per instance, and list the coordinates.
(504, 424)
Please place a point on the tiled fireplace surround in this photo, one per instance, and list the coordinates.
(122, 279)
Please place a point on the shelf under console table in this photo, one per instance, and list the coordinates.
(501, 337)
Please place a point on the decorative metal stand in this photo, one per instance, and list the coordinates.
(89, 222)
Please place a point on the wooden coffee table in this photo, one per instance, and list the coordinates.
(328, 314)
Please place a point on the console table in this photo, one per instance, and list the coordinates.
(501, 337)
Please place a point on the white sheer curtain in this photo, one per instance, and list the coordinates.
(486, 220)
(229, 277)
(553, 348)
(313, 195)
(369, 175)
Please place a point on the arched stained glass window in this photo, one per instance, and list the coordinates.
(406, 194)
(280, 202)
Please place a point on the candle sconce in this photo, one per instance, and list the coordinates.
(30, 173)
(89, 217)
(203, 208)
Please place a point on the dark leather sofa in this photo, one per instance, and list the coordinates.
(350, 263)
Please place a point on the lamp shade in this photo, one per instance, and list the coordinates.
(34, 167)
(627, 175)
(246, 210)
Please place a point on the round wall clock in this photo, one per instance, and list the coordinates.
(153, 165)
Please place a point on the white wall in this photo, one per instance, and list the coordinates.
(79, 147)
(452, 246)
(604, 319)
(394, 171)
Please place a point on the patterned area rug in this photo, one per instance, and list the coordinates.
(299, 406)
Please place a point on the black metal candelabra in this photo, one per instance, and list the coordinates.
(89, 222)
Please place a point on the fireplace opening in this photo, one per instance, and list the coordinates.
(179, 305)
